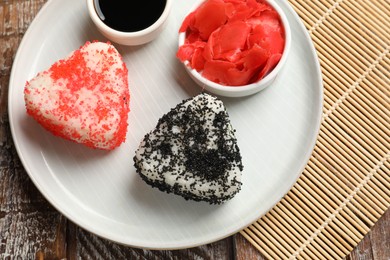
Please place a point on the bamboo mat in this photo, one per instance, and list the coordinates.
(345, 187)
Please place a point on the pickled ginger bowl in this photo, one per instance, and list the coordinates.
(234, 48)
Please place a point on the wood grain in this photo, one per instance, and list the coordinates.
(92, 247)
(245, 250)
(376, 245)
(30, 228)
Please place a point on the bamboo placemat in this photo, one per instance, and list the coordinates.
(345, 187)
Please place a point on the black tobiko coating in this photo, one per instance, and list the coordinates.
(189, 128)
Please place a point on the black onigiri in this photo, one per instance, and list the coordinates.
(193, 152)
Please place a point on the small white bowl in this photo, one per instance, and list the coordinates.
(130, 38)
(245, 90)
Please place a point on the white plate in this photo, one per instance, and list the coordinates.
(101, 192)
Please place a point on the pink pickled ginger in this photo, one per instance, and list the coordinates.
(233, 42)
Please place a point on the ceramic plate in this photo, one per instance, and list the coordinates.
(101, 192)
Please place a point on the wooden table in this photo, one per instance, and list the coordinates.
(31, 228)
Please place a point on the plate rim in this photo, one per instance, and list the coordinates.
(211, 239)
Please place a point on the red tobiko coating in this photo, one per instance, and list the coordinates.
(233, 42)
(56, 97)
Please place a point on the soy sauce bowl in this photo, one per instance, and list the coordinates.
(130, 38)
(242, 90)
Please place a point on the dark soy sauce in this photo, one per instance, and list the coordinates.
(129, 15)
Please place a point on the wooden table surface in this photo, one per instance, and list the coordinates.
(30, 228)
